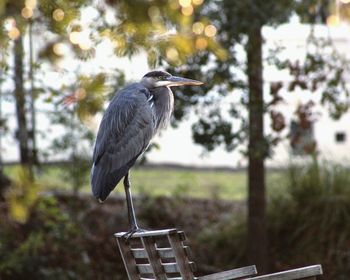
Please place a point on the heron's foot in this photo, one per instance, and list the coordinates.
(131, 232)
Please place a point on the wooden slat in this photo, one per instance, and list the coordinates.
(164, 253)
(162, 232)
(144, 268)
(153, 257)
(168, 268)
(169, 278)
(231, 274)
(298, 273)
(180, 256)
(171, 267)
(139, 253)
(129, 261)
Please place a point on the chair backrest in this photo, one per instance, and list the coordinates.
(159, 254)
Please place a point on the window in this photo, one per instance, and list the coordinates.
(340, 137)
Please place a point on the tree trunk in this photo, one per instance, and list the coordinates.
(257, 230)
(34, 151)
(22, 132)
(4, 180)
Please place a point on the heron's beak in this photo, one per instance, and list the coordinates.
(175, 81)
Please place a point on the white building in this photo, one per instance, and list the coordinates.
(331, 136)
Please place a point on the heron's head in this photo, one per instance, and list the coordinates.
(164, 79)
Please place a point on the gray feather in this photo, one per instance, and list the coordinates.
(125, 131)
(132, 118)
(164, 106)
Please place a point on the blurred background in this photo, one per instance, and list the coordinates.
(254, 166)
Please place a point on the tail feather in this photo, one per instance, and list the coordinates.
(103, 182)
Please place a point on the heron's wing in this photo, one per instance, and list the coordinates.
(125, 132)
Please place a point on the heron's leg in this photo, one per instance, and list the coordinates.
(131, 212)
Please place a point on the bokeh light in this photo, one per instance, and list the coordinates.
(27, 12)
(210, 30)
(85, 45)
(185, 3)
(333, 20)
(30, 4)
(201, 43)
(58, 49)
(153, 12)
(58, 15)
(345, 1)
(74, 37)
(14, 33)
(172, 54)
(187, 11)
(9, 23)
(197, 2)
(198, 28)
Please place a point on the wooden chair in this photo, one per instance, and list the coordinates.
(163, 255)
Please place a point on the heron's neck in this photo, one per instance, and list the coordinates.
(163, 105)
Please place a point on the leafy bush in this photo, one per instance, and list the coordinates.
(71, 237)
(310, 223)
(46, 246)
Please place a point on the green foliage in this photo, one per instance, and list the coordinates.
(75, 143)
(70, 237)
(42, 247)
(213, 131)
(148, 26)
(321, 72)
(228, 238)
(188, 48)
(22, 194)
(310, 222)
(55, 21)
(93, 89)
(206, 184)
(216, 58)
(71, 10)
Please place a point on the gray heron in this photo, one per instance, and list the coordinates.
(134, 115)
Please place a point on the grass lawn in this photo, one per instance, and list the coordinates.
(230, 185)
